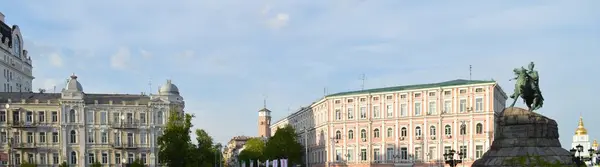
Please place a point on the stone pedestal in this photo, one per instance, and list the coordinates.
(519, 133)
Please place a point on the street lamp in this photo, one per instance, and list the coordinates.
(576, 153)
(592, 152)
(306, 146)
(123, 161)
(450, 160)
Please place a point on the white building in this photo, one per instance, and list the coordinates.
(582, 138)
(14, 62)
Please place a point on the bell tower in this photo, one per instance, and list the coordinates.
(264, 121)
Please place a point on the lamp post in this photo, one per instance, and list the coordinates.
(576, 153)
(463, 126)
(123, 161)
(450, 159)
(306, 146)
(592, 152)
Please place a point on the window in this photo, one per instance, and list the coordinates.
(117, 158)
(338, 135)
(3, 137)
(91, 158)
(350, 100)
(363, 154)
(73, 136)
(29, 137)
(73, 157)
(404, 153)
(30, 158)
(117, 117)
(72, 116)
(143, 158)
(418, 131)
(91, 136)
(389, 97)
(143, 118)
(41, 116)
(403, 108)
(55, 158)
(377, 154)
(478, 151)
(462, 91)
(350, 153)
(142, 137)
(104, 158)
(338, 114)
(463, 105)
(104, 137)
(90, 117)
(389, 110)
(350, 134)
(418, 153)
(350, 113)
(376, 112)
(363, 99)
(390, 132)
(448, 130)
(478, 104)
(337, 102)
(363, 134)
(417, 108)
(54, 137)
(463, 129)
(432, 108)
(29, 118)
(363, 112)
(389, 154)
(130, 158)
(479, 128)
(403, 132)
(431, 93)
(376, 133)
(431, 154)
(103, 118)
(2, 116)
(447, 93)
(403, 96)
(417, 95)
(432, 130)
(17, 159)
(479, 90)
(447, 149)
(463, 149)
(375, 98)
(338, 155)
(447, 106)
(42, 136)
(54, 116)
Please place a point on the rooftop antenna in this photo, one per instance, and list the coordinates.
(363, 78)
(265, 101)
(324, 91)
(149, 86)
(470, 71)
(54, 89)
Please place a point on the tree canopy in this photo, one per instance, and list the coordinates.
(284, 145)
(253, 150)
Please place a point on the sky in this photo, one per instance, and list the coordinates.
(226, 56)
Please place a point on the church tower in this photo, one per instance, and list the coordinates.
(581, 138)
(264, 121)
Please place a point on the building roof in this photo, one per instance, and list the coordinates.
(457, 82)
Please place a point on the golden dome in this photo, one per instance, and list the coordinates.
(580, 129)
(595, 144)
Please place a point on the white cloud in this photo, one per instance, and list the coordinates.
(120, 60)
(55, 60)
(145, 54)
(279, 21)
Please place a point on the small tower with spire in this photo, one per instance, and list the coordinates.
(264, 121)
(581, 137)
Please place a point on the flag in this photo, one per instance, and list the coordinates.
(275, 163)
(243, 163)
(251, 163)
(284, 162)
(267, 163)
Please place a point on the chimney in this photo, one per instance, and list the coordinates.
(1, 17)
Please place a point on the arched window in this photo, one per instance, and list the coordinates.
(350, 134)
(72, 116)
(17, 46)
(338, 135)
(479, 128)
(376, 133)
(463, 129)
(73, 157)
(363, 134)
(390, 132)
(403, 132)
(73, 136)
(418, 131)
(432, 130)
(448, 130)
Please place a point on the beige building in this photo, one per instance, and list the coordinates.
(411, 125)
(80, 128)
(233, 149)
(14, 61)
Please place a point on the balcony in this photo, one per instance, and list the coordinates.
(23, 146)
(126, 145)
(22, 124)
(125, 125)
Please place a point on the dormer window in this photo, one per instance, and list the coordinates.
(431, 93)
(350, 100)
(479, 90)
(463, 91)
(417, 95)
(447, 93)
(17, 46)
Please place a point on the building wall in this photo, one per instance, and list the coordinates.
(388, 123)
(15, 64)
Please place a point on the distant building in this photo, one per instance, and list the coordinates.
(14, 63)
(233, 149)
(582, 138)
(402, 125)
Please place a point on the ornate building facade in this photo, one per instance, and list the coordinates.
(403, 125)
(80, 129)
(14, 61)
(582, 138)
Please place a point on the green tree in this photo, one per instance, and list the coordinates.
(96, 164)
(63, 164)
(284, 144)
(175, 147)
(27, 164)
(137, 163)
(253, 150)
(205, 149)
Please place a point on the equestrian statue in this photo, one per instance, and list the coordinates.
(527, 87)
